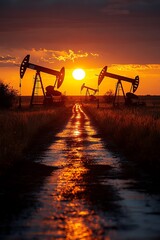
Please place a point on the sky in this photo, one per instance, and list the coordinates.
(90, 34)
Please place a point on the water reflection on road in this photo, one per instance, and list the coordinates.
(84, 199)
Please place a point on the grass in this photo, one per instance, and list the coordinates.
(136, 132)
(19, 129)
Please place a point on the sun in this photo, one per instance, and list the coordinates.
(78, 74)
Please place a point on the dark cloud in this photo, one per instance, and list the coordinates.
(128, 27)
(7, 59)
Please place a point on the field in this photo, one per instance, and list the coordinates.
(134, 131)
(19, 128)
(101, 169)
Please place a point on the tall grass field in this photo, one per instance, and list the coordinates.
(19, 128)
(135, 131)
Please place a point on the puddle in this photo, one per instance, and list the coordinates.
(84, 198)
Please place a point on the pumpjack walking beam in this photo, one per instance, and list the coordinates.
(26, 64)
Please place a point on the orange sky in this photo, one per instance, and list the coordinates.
(149, 79)
(122, 34)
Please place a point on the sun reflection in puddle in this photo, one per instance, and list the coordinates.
(76, 132)
(80, 221)
(66, 210)
(74, 229)
(71, 178)
(70, 182)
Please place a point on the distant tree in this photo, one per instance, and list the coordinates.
(109, 96)
(7, 96)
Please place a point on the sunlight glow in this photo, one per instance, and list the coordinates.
(72, 88)
(78, 74)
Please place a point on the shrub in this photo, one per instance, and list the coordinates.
(7, 96)
(109, 96)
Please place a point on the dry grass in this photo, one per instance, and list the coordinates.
(135, 131)
(18, 130)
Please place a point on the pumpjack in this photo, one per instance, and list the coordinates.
(50, 90)
(128, 96)
(88, 89)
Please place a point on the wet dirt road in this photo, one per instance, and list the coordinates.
(85, 198)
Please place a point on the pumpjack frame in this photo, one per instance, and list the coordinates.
(134, 82)
(26, 64)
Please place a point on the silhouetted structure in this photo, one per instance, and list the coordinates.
(134, 84)
(58, 82)
(88, 89)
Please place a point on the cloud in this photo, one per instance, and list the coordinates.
(51, 56)
(116, 7)
(123, 31)
(64, 55)
(94, 54)
(135, 67)
(124, 7)
(7, 60)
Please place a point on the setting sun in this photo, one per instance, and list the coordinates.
(78, 74)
